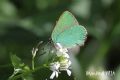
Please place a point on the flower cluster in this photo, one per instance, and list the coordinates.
(63, 64)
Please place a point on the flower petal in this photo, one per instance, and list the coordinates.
(59, 45)
(69, 63)
(66, 55)
(52, 75)
(68, 72)
(59, 54)
(56, 73)
(57, 65)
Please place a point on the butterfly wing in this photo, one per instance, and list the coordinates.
(68, 32)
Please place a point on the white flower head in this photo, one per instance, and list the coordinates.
(62, 51)
(65, 65)
(55, 68)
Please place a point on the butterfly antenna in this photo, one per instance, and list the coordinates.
(39, 44)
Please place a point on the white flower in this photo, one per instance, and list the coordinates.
(61, 51)
(55, 68)
(65, 65)
(62, 66)
(62, 54)
(68, 72)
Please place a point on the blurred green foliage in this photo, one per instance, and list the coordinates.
(23, 23)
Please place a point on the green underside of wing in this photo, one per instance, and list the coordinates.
(68, 32)
(65, 21)
(72, 36)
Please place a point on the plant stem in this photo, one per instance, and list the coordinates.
(20, 75)
(33, 64)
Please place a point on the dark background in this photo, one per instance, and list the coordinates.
(23, 23)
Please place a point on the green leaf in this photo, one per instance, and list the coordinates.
(16, 62)
(20, 67)
(27, 77)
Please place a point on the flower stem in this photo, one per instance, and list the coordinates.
(33, 63)
(22, 74)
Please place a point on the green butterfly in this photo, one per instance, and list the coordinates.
(68, 32)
